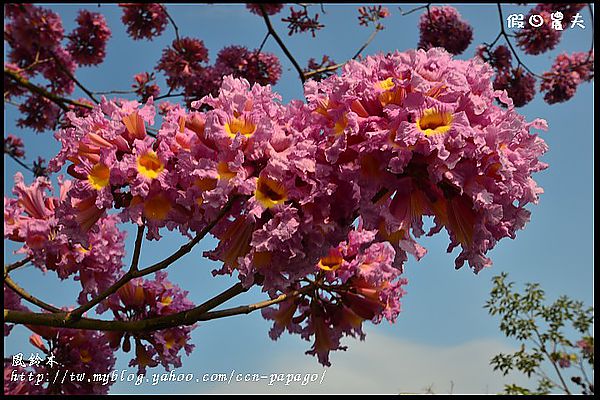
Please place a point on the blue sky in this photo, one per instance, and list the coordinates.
(443, 334)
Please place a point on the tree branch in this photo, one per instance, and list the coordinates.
(27, 296)
(187, 317)
(171, 20)
(137, 248)
(131, 274)
(59, 101)
(285, 50)
(72, 77)
(334, 67)
(15, 265)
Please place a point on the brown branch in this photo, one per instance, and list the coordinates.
(137, 248)
(27, 296)
(59, 101)
(187, 317)
(72, 77)
(512, 49)
(336, 66)
(171, 20)
(285, 50)
(131, 274)
(15, 265)
(414, 9)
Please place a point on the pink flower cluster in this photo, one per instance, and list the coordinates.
(144, 20)
(567, 72)
(537, 40)
(34, 36)
(185, 65)
(141, 299)
(394, 139)
(142, 86)
(357, 283)
(32, 218)
(444, 27)
(81, 352)
(270, 8)
(299, 21)
(372, 14)
(14, 146)
(87, 43)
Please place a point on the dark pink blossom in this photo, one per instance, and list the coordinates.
(270, 8)
(444, 27)
(299, 21)
(183, 61)
(14, 146)
(567, 72)
(143, 87)
(87, 43)
(313, 65)
(144, 20)
(39, 113)
(372, 14)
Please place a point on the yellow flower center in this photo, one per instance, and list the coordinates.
(239, 125)
(340, 125)
(386, 84)
(157, 207)
(149, 165)
(99, 176)
(166, 300)
(434, 122)
(224, 172)
(330, 262)
(85, 356)
(269, 192)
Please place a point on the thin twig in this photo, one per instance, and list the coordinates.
(172, 21)
(15, 265)
(336, 66)
(281, 44)
(413, 10)
(27, 296)
(21, 163)
(72, 77)
(512, 49)
(263, 43)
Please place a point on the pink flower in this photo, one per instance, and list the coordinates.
(443, 27)
(299, 22)
(270, 8)
(142, 86)
(261, 68)
(183, 61)
(144, 20)
(39, 113)
(372, 14)
(87, 43)
(567, 72)
(14, 146)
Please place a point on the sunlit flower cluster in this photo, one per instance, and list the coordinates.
(329, 195)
